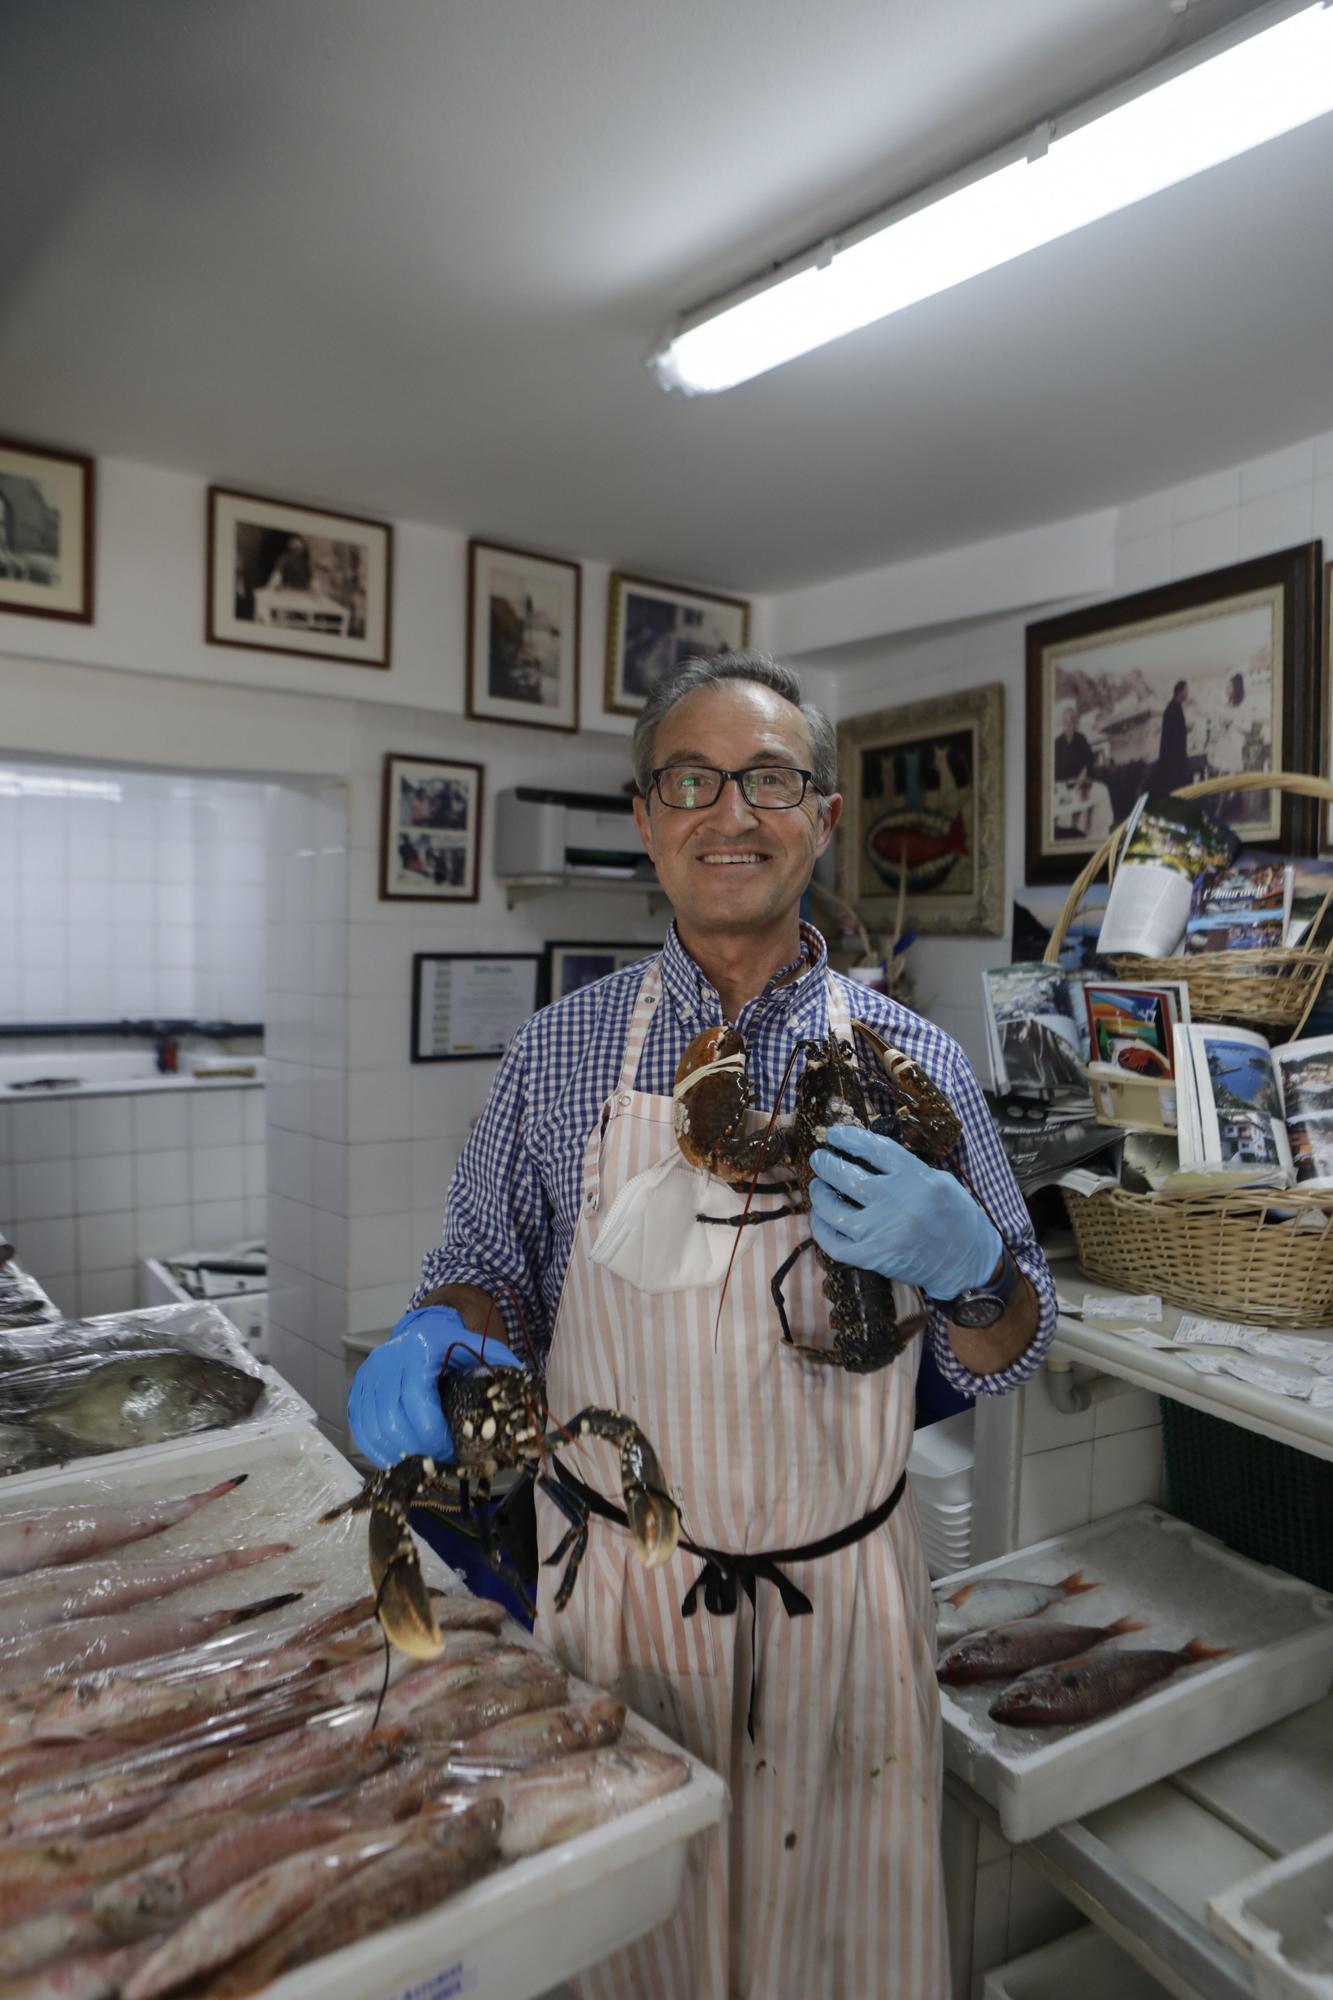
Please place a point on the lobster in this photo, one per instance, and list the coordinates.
(713, 1094)
(498, 1422)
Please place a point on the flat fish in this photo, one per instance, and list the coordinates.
(995, 1600)
(64, 1534)
(1019, 1647)
(1083, 1690)
(133, 1399)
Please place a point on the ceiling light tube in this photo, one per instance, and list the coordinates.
(1268, 74)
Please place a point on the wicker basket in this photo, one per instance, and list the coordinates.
(1243, 1255)
(1273, 989)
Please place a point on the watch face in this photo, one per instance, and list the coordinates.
(982, 1309)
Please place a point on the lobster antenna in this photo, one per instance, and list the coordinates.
(749, 1197)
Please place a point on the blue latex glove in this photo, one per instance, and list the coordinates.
(393, 1406)
(913, 1223)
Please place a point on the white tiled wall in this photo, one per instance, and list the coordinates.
(88, 1185)
(135, 894)
(1076, 1469)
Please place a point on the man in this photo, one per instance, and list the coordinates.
(570, 1200)
(1173, 763)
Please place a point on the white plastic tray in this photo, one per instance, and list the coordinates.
(1281, 1923)
(199, 1327)
(1182, 1585)
(519, 1931)
(1085, 1963)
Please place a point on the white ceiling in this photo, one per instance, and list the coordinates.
(408, 256)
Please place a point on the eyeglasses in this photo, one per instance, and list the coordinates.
(771, 787)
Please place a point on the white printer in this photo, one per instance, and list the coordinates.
(556, 835)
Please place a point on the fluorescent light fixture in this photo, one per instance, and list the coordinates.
(1226, 95)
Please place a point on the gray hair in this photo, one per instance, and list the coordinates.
(764, 671)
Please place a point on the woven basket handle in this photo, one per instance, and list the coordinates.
(1239, 781)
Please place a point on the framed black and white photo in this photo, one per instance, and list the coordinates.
(522, 637)
(652, 627)
(46, 532)
(289, 579)
(1198, 679)
(568, 966)
(468, 1004)
(430, 842)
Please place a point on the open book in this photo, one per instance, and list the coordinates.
(1133, 1027)
(1247, 907)
(1169, 845)
(1036, 1029)
(1251, 1116)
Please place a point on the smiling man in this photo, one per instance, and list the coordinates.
(789, 1640)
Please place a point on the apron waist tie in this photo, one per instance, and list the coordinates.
(725, 1575)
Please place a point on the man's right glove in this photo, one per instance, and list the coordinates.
(393, 1406)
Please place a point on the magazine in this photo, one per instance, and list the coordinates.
(1133, 1027)
(1168, 845)
(1033, 1031)
(1305, 1077)
(1247, 907)
(1231, 1107)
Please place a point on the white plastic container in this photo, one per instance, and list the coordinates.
(1182, 1585)
(1084, 1965)
(1281, 1923)
(940, 1462)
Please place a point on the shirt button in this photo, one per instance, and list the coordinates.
(592, 1203)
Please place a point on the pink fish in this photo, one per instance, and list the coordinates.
(1082, 1690)
(1017, 1648)
(79, 1590)
(105, 1642)
(60, 1534)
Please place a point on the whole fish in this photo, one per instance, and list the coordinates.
(488, 1700)
(305, 1760)
(95, 1976)
(131, 1399)
(60, 1534)
(254, 1908)
(444, 1852)
(556, 1801)
(1021, 1646)
(78, 1589)
(994, 1600)
(1082, 1690)
(105, 1642)
(540, 1735)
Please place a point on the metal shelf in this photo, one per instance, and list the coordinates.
(518, 888)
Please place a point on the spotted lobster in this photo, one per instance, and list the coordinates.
(890, 1094)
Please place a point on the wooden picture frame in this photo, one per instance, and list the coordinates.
(523, 633)
(927, 778)
(1106, 721)
(303, 581)
(430, 830)
(651, 627)
(468, 1005)
(47, 532)
(568, 965)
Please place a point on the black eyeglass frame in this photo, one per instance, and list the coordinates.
(655, 785)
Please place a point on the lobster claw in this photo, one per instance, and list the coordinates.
(402, 1603)
(654, 1517)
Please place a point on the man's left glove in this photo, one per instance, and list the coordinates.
(913, 1222)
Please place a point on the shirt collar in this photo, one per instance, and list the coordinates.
(696, 1000)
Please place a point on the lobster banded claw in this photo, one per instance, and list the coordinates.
(654, 1517)
(402, 1603)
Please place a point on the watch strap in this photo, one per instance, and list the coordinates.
(1002, 1286)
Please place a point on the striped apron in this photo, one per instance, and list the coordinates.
(824, 1882)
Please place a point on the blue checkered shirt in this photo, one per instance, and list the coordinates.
(515, 1193)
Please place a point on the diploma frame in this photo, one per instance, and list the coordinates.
(527, 969)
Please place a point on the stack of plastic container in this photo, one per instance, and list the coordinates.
(940, 1471)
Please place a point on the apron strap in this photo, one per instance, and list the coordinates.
(724, 1575)
(645, 1006)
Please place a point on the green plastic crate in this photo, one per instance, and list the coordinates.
(1263, 1499)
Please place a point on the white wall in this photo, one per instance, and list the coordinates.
(1248, 510)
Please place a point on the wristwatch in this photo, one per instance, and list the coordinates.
(982, 1305)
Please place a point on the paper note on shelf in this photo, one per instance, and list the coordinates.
(1142, 1336)
(1082, 1180)
(1194, 1331)
(1321, 1392)
(1272, 1346)
(1260, 1376)
(1122, 1305)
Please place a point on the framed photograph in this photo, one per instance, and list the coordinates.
(522, 637)
(1198, 679)
(923, 787)
(289, 579)
(46, 532)
(567, 967)
(651, 627)
(430, 842)
(468, 1004)
(1326, 814)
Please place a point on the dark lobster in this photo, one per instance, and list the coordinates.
(831, 1090)
(498, 1422)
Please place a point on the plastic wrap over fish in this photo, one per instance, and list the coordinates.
(130, 1381)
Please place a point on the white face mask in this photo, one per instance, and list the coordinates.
(651, 1235)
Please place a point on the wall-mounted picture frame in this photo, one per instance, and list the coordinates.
(523, 625)
(430, 835)
(651, 627)
(1212, 675)
(923, 790)
(1326, 759)
(46, 532)
(283, 578)
(467, 1005)
(568, 965)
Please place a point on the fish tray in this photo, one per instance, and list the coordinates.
(1181, 1585)
(197, 1328)
(1281, 1923)
(522, 1929)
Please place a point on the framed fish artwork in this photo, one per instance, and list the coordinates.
(923, 787)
